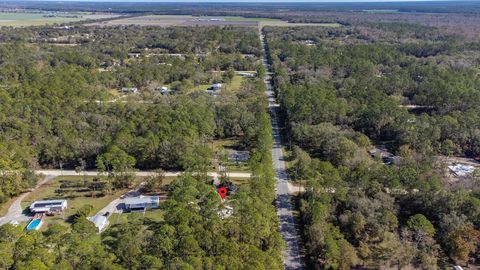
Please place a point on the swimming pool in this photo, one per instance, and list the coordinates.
(35, 224)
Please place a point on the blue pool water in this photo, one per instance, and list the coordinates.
(34, 224)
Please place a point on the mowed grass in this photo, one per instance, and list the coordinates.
(241, 19)
(232, 86)
(78, 199)
(22, 19)
(185, 20)
(178, 19)
(151, 215)
(223, 145)
(75, 199)
(289, 24)
(160, 20)
(235, 83)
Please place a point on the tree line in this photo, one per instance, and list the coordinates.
(344, 91)
(191, 235)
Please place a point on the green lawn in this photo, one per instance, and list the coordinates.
(236, 83)
(232, 86)
(200, 87)
(155, 215)
(75, 199)
(223, 145)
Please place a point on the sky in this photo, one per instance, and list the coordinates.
(247, 1)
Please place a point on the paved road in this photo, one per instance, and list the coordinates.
(137, 173)
(15, 212)
(292, 256)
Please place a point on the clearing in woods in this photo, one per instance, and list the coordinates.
(188, 20)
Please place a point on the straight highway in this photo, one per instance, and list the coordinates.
(292, 256)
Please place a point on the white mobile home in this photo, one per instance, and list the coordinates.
(48, 206)
(127, 90)
(141, 203)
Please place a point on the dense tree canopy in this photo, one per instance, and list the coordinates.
(343, 91)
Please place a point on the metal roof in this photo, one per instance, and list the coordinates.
(142, 200)
(99, 221)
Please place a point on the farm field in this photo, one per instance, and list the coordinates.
(23, 19)
(289, 24)
(174, 20)
(188, 20)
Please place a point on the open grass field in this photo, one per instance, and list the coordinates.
(232, 86)
(289, 24)
(21, 19)
(176, 20)
(187, 20)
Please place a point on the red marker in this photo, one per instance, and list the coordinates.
(222, 191)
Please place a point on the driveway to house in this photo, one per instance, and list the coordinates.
(15, 212)
(115, 206)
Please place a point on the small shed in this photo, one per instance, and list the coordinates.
(100, 222)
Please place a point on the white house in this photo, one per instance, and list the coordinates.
(225, 212)
(241, 156)
(129, 90)
(215, 87)
(48, 206)
(461, 169)
(165, 91)
(247, 74)
(141, 203)
(100, 222)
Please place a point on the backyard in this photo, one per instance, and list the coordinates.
(76, 197)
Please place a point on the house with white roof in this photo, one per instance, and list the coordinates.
(462, 169)
(100, 222)
(127, 90)
(48, 206)
(141, 203)
(215, 88)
